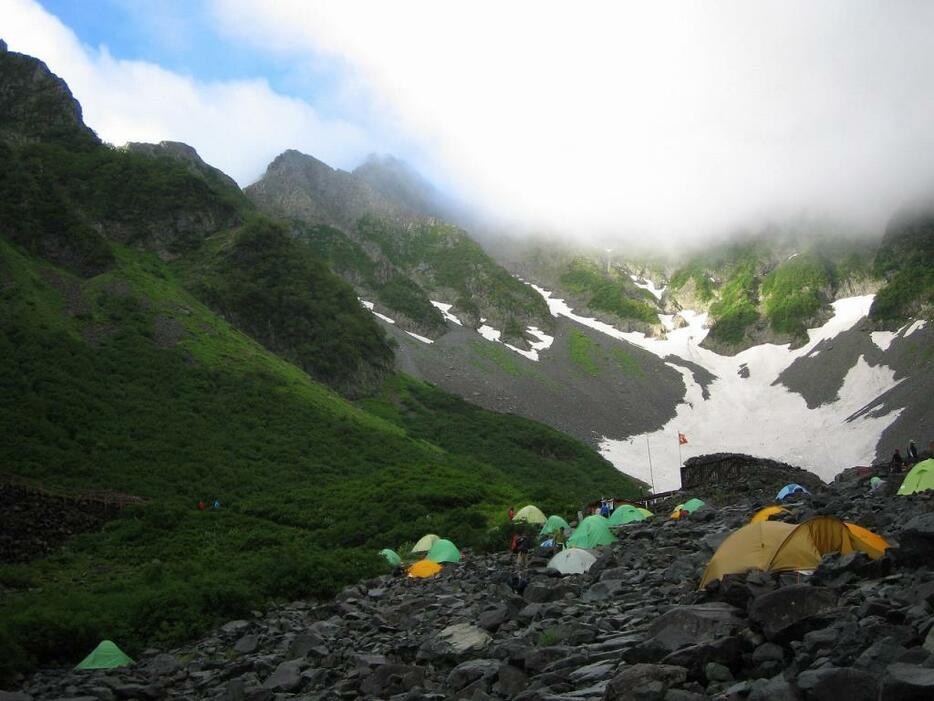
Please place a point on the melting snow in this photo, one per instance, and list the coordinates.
(370, 305)
(751, 415)
(919, 324)
(489, 333)
(883, 339)
(420, 338)
(445, 310)
(649, 285)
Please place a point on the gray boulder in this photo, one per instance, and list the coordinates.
(907, 682)
(786, 613)
(287, 677)
(834, 683)
(641, 681)
(392, 679)
(455, 642)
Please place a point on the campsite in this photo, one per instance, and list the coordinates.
(745, 597)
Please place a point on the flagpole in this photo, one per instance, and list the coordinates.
(651, 474)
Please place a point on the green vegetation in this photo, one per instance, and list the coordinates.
(795, 291)
(503, 358)
(126, 381)
(904, 262)
(581, 349)
(697, 271)
(614, 295)
(274, 289)
(735, 310)
(406, 297)
(443, 256)
(627, 363)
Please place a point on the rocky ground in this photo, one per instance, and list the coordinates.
(634, 627)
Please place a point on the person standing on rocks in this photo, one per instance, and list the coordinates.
(895, 465)
(912, 453)
(522, 552)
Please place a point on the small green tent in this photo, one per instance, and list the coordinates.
(105, 656)
(444, 551)
(692, 505)
(591, 532)
(392, 557)
(625, 513)
(919, 479)
(425, 542)
(553, 524)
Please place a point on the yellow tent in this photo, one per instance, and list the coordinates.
(424, 568)
(776, 546)
(529, 514)
(749, 548)
(767, 513)
(425, 542)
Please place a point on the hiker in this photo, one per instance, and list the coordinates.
(522, 552)
(201, 505)
(216, 504)
(511, 513)
(895, 464)
(561, 538)
(912, 452)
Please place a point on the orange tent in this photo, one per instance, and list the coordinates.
(424, 568)
(777, 546)
(767, 513)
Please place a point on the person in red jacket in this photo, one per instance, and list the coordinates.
(201, 505)
(511, 513)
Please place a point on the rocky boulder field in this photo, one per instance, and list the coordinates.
(634, 627)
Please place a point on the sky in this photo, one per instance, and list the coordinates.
(643, 121)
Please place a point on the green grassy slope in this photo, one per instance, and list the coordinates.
(125, 381)
(904, 262)
(609, 293)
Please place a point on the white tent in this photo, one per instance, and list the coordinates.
(572, 561)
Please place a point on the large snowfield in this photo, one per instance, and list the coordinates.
(750, 414)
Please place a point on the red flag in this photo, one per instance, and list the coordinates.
(682, 439)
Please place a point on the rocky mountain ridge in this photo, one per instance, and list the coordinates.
(635, 626)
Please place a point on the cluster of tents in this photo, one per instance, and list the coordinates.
(434, 549)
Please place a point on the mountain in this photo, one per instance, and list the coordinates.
(162, 340)
(407, 262)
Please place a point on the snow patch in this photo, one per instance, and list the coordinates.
(919, 324)
(750, 415)
(445, 310)
(420, 338)
(370, 306)
(489, 333)
(883, 339)
(657, 292)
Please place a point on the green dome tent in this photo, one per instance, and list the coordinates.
(105, 656)
(644, 512)
(625, 513)
(444, 551)
(392, 557)
(529, 514)
(591, 532)
(553, 524)
(919, 479)
(425, 542)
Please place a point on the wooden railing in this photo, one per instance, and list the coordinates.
(108, 498)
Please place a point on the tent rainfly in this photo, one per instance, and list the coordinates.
(425, 542)
(767, 513)
(529, 514)
(919, 479)
(592, 531)
(444, 551)
(572, 561)
(777, 546)
(105, 656)
(625, 513)
(790, 490)
(424, 569)
(391, 556)
(553, 524)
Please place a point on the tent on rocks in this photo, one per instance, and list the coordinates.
(767, 513)
(592, 531)
(790, 490)
(919, 479)
(625, 513)
(444, 551)
(105, 656)
(391, 556)
(777, 546)
(425, 542)
(691, 505)
(553, 524)
(529, 514)
(572, 561)
(424, 569)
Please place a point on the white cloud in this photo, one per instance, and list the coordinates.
(661, 117)
(238, 126)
